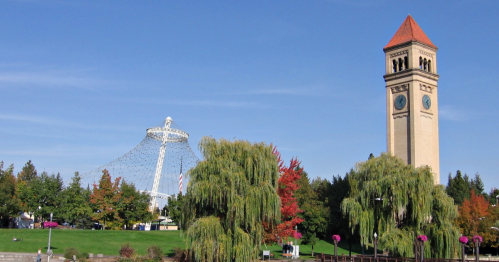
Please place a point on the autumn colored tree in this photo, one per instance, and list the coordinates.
(287, 185)
(475, 218)
(10, 203)
(105, 198)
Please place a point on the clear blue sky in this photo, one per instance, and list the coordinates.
(80, 81)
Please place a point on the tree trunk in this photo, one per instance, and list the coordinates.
(312, 250)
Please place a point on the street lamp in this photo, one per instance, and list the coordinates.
(49, 252)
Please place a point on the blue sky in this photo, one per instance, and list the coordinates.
(81, 81)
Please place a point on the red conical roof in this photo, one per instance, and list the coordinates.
(409, 31)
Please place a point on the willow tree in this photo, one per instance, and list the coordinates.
(230, 193)
(400, 202)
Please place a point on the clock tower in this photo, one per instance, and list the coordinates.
(411, 97)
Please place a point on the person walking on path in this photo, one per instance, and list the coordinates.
(39, 256)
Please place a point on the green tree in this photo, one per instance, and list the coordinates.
(494, 196)
(315, 214)
(230, 193)
(43, 194)
(133, 206)
(104, 199)
(333, 194)
(399, 203)
(75, 201)
(477, 186)
(10, 205)
(458, 188)
(174, 208)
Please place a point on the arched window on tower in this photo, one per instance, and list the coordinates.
(406, 63)
(425, 65)
(429, 65)
(394, 65)
(401, 64)
(420, 63)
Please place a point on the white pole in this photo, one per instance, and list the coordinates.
(50, 234)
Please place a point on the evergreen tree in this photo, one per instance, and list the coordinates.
(75, 202)
(399, 202)
(477, 185)
(230, 193)
(458, 188)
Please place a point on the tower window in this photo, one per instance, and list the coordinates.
(425, 65)
(394, 65)
(401, 65)
(420, 63)
(406, 62)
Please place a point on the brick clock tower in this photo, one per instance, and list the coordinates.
(412, 98)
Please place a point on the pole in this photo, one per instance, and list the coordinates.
(477, 246)
(50, 235)
(294, 249)
(422, 250)
(375, 246)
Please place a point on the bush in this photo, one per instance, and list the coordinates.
(127, 251)
(155, 253)
(180, 254)
(82, 256)
(70, 252)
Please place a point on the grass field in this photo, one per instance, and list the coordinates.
(109, 242)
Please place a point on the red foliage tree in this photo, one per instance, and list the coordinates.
(287, 185)
(474, 217)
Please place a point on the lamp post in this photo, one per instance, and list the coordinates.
(49, 252)
(375, 245)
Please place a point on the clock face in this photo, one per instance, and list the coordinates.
(426, 102)
(400, 102)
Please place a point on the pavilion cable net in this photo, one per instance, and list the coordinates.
(154, 166)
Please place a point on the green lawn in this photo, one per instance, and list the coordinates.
(109, 242)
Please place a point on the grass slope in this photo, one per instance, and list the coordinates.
(109, 242)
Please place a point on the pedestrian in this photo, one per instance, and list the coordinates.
(39, 256)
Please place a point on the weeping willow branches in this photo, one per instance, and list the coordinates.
(399, 203)
(230, 193)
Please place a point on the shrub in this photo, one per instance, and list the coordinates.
(82, 256)
(70, 252)
(155, 253)
(180, 254)
(127, 251)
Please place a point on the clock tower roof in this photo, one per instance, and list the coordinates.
(409, 31)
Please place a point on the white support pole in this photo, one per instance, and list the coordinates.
(159, 166)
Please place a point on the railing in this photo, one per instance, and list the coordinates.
(359, 258)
